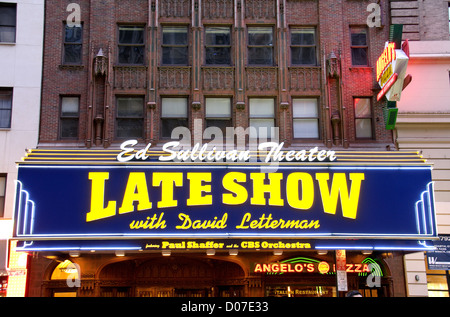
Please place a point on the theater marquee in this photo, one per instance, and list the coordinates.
(312, 198)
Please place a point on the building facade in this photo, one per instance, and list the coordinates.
(287, 58)
(21, 42)
(423, 122)
(301, 73)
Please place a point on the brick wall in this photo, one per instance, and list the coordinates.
(425, 20)
(282, 81)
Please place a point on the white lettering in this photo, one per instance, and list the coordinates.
(201, 153)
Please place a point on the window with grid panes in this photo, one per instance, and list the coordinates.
(130, 117)
(218, 46)
(8, 12)
(5, 107)
(359, 46)
(218, 113)
(305, 115)
(69, 119)
(131, 45)
(175, 45)
(363, 118)
(174, 113)
(262, 117)
(73, 37)
(303, 46)
(2, 194)
(260, 46)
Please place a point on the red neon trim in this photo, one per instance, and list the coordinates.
(388, 85)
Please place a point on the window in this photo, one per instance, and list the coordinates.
(69, 117)
(73, 44)
(130, 117)
(438, 282)
(8, 22)
(2, 194)
(260, 46)
(5, 107)
(175, 45)
(359, 46)
(305, 118)
(303, 46)
(218, 113)
(174, 113)
(262, 117)
(363, 118)
(131, 45)
(218, 45)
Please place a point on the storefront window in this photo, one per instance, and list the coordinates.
(69, 272)
(300, 291)
(438, 281)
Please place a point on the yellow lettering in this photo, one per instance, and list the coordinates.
(167, 181)
(187, 222)
(240, 194)
(349, 203)
(196, 189)
(307, 190)
(245, 219)
(273, 188)
(98, 211)
(136, 190)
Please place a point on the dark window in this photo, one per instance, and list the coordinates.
(69, 119)
(303, 46)
(359, 46)
(2, 194)
(5, 107)
(131, 45)
(73, 44)
(8, 22)
(175, 45)
(260, 46)
(218, 45)
(130, 117)
(218, 113)
(174, 113)
(363, 118)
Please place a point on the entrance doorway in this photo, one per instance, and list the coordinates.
(174, 276)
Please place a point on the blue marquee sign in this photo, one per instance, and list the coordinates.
(327, 201)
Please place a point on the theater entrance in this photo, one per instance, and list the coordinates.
(174, 276)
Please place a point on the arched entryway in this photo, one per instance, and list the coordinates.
(175, 276)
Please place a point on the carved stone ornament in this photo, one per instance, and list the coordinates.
(100, 63)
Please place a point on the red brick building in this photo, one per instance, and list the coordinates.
(137, 69)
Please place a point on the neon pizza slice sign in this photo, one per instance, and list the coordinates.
(391, 71)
